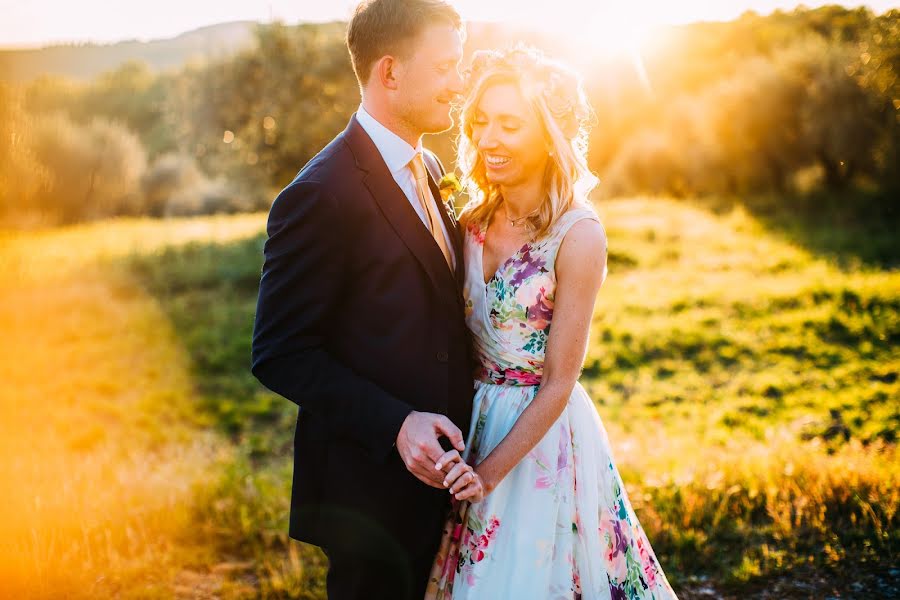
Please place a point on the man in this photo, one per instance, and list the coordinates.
(360, 319)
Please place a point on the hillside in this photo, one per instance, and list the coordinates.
(86, 61)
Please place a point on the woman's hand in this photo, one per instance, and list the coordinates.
(453, 466)
(464, 483)
(469, 486)
(461, 480)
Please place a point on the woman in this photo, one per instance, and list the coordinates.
(539, 508)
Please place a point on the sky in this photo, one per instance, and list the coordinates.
(42, 22)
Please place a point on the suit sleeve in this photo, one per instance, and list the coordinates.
(300, 285)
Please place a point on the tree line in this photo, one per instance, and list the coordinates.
(790, 103)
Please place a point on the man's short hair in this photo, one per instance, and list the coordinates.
(380, 27)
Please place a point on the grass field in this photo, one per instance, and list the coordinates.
(747, 375)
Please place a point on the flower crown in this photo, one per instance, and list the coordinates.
(559, 85)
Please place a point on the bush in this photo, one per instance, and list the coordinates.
(22, 177)
(94, 169)
(205, 198)
(169, 176)
(649, 161)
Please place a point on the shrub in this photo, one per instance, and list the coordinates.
(207, 197)
(169, 176)
(94, 169)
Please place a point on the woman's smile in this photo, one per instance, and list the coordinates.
(496, 161)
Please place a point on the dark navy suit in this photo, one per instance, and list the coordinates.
(360, 321)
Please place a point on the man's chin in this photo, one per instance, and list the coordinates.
(440, 125)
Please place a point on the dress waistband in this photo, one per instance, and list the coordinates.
(514, 377)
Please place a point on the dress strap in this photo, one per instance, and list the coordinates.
(569, 218)
(561, 228)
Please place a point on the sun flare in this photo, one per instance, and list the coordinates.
(613, 29)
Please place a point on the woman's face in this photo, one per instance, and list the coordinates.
(508, 136)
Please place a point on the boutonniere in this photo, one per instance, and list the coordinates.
(449, 185)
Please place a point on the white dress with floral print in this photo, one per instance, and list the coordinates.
(560, 524)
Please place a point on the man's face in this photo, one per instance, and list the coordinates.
(428, 79)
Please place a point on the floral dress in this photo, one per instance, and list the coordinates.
(560, 524)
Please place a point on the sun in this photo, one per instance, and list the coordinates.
(614, 28)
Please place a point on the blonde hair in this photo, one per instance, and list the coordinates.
(556, 95)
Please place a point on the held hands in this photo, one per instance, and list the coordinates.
(417, 443)
(463, 482)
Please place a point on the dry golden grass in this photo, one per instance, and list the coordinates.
(102, 447)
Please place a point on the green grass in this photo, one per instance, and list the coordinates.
(761, 365)
(747, 378)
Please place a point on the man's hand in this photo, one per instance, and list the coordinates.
(419, 448)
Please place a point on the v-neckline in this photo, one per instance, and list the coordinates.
(502, 265)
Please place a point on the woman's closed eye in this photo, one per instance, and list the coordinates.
(510, 127)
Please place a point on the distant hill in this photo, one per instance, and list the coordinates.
(86, 61)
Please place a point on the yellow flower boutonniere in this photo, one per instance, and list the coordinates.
(449, 185)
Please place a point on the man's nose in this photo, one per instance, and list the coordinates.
(455, 86)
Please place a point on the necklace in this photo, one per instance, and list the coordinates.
(515, 222)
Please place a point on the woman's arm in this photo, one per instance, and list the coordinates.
(580, 271)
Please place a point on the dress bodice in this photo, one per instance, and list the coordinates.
(510, 315)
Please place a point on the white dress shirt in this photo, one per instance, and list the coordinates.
(397, 154)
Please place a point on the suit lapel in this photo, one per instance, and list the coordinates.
(398, 211)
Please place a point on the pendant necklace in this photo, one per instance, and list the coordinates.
(515, 222)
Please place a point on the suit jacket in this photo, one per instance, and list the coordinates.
(359, 321)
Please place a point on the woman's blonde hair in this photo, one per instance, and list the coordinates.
(556, 95)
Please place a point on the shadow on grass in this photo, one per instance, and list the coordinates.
(854, 228)
(209, 292)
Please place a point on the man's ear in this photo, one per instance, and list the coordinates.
(385, 71)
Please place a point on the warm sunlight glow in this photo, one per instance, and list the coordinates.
(618, 31)
(615, 29)
(44, 21)
(598, 29)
